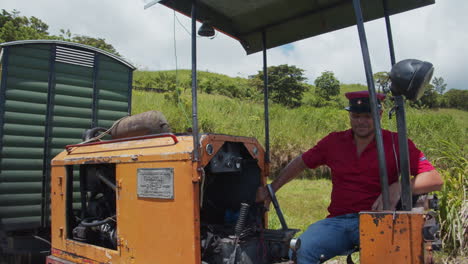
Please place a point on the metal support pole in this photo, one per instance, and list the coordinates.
(406, 196)
(265, 100)
(196, 138)
(389, 32)
(373, 102)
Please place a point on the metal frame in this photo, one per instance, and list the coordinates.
(373, 103)
(401, 121)
(47, 137)
(95, 90)
(3, 84)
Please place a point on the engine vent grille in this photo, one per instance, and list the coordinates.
(74, 56)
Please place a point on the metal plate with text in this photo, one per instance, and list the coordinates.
(156, 183)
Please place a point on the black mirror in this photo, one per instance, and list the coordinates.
(410, 77)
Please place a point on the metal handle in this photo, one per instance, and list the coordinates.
(277, 207)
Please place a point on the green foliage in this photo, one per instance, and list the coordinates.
(285, 84)
(15, 27)
(456, 99)
(382, 81)
(327, 85)
(454, 198)
(439, 84)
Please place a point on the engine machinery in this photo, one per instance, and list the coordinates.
(144, 200)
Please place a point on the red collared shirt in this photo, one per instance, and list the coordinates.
(356, 182)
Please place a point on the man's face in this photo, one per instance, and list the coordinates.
(362, 124)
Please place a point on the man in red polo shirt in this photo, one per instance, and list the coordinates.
(352, 158)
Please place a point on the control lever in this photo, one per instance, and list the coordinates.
(277, 207)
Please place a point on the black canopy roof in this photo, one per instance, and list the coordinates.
(285, 21)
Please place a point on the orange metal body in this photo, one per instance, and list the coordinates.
(391, 237)
(149, 230)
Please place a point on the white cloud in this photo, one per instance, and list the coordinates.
(145, 37)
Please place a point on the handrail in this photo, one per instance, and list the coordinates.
(171, 135)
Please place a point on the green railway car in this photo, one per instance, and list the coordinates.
(50, 93)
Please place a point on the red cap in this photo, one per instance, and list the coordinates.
(363, 94)
(359, 101)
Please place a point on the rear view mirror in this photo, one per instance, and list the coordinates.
(410, 77)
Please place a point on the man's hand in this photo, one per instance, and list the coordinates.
(263, 196)
(394, 193)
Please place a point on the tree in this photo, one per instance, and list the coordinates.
(457, 99)
(382, 81)
(285, 84)
(15, 27)
(439, 85)
(327, 85)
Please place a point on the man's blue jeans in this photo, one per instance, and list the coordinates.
(329, 237)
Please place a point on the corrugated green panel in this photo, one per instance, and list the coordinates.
(22, 141)
(25, 107)
(67, 132)
(22, 152)
(110, 115)
(72, 79)
(111, 85)
(20, 187)
(20, 199)
(17, 141)
(106, 123)
(21, 164)
(21, 118)
(33, 74)
(113, 106)
(72, 90)
(73, 101)
(26, 96)
(25, 130)
(28, 62)
(27, 84)
(113, 95)
(33, 51)
(62, 142)
(76, 70)
(108, 64)
(19, 211)
(29, 222)
(21, 175)
(55, 151)
(72, 122)
(72, 111)
(117, 76)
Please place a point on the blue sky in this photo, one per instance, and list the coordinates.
(436, 33)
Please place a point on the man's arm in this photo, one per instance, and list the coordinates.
(424, 182)
(289, 172)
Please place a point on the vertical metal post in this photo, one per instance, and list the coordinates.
(389, 32)
(94, 122)
(265, 100)
(46, 167)
(406, 196)
(196, 139)
(3, 86)
(373, 103)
